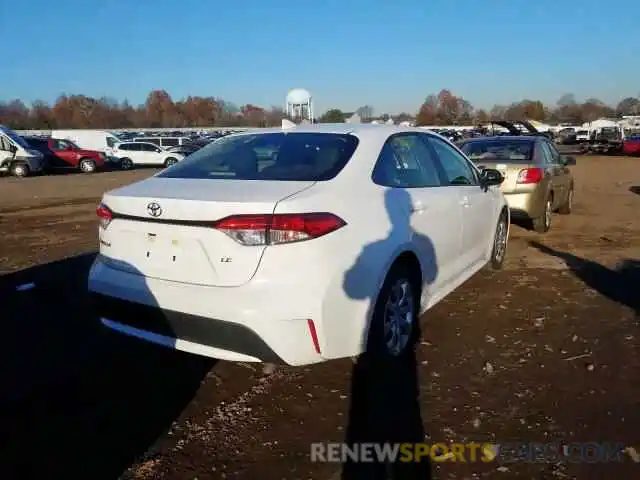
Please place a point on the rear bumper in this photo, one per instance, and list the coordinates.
(252, 323)
(524, 205)
(193, 333)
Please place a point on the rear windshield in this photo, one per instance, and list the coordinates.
(269, 156)
(498, 150)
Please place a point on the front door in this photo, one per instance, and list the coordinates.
(66, 156)
(476, 203)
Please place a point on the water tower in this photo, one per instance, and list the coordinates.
(299, 105)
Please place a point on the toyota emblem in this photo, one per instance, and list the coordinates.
(154, 209)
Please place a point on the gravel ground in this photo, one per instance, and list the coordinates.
(545, 350)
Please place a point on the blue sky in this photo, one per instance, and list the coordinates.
(389, 54)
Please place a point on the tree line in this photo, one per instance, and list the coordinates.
(161, 111)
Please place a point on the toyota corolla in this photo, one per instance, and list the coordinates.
(297, 245)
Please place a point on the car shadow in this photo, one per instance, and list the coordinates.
(78, 397)
(384, 401)
(619, 285)
(635, 189)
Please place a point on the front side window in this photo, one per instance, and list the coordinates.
(292, 156)
(456, 167)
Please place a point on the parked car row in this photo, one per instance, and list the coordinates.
(89, 151)
(213, 255)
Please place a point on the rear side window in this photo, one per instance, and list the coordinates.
(269, 156)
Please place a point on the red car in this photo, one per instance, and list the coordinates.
(631, 146)
(64, 154)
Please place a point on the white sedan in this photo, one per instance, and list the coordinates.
(297, 245)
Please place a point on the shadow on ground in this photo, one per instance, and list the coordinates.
(384, 403)
(620, 285)
(78, 398)
(635, 189)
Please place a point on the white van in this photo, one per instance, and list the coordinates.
(16, 157)
(98, 140)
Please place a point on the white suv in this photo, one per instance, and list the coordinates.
(144, 153)
(297, 245)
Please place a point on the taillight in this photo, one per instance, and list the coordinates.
(278, 229)
(104, 215)
(530, 175)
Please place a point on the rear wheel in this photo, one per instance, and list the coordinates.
(393, 328)
(87, 166)
(126, 164)
(20, 170)
(542, 224)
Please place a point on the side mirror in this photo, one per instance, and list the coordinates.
(569, 161)
(490, 177)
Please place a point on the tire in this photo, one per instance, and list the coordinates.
(380, 346)
(87, 166)
(567, 207)
(126, 164)
(500, 242)
(20, 170)
(170, 161)
(542, 224)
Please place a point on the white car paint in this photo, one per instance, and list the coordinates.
(288, 293)
(146, 153)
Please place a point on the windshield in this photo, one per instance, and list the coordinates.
(17, 139)
(499, 150)
(269, 156)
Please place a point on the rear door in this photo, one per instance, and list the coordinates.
(150, 154)
(128, 150)
(407, 166)
(477, 204)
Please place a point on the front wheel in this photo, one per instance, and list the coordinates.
(500, 240)
(567, 207)
(542, 224)
(87, 166)
(20, 170)
(170, 161)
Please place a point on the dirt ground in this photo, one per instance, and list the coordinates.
(545, 350)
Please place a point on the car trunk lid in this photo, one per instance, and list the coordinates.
(163, 228)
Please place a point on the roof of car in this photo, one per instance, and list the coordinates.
(340, 128)
(511, 138)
